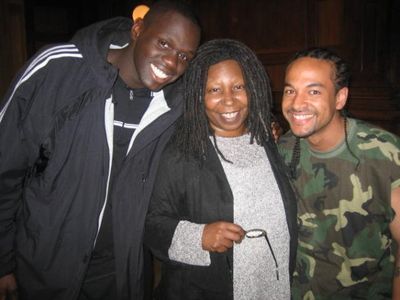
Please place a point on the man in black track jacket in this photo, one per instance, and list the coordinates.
(81, 132)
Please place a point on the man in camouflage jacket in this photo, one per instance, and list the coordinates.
(347, 174)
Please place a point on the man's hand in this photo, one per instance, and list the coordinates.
(395, 231)
(8, 287)
(219, 236)
(277, 130)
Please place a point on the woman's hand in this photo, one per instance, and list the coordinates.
(219, 236)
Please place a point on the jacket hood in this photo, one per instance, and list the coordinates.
(94, 42)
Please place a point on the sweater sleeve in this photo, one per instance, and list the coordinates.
(186, 245)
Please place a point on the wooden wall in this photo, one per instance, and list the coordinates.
(365, 32)
(13, 40)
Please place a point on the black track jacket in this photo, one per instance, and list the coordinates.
(56, 125)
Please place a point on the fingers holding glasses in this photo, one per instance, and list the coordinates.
(220, 236)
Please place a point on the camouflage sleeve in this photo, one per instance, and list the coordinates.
(386, 146)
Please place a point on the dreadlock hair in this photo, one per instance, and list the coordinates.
(163, 6)
(340, 78)
(193, 129)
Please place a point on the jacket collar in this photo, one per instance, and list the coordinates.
(94, 42)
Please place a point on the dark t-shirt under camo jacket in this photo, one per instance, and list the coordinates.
(345, 247)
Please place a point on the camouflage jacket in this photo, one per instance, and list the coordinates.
(345, 246)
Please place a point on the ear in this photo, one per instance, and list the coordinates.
(341, 98)
(137, 28)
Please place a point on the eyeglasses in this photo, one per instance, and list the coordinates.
(257, 233)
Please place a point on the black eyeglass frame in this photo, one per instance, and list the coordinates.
(257, 233)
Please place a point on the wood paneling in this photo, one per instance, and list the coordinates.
(364, 32)
(13, 46)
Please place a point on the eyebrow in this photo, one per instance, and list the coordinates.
(171, 40)
(315, 85)
(308, 85)
(191, 53)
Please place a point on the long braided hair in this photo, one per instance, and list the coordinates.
(341, 79)
(193, 130)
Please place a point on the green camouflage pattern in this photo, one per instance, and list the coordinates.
(345, 247)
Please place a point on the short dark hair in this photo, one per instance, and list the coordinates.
(341, 69)
(193, 130)
(164, 6)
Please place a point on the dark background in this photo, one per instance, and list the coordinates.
(365, 32)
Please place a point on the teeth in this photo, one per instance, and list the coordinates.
(158, 72)
(230, 115)
(302, 117)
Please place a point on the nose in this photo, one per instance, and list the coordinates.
(299, 101)
(228, 97)
(171, 60)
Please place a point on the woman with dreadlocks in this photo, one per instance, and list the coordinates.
(222, 216)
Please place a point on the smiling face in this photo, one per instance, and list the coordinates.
(163, 49)
(311, 104)
(226, 103)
